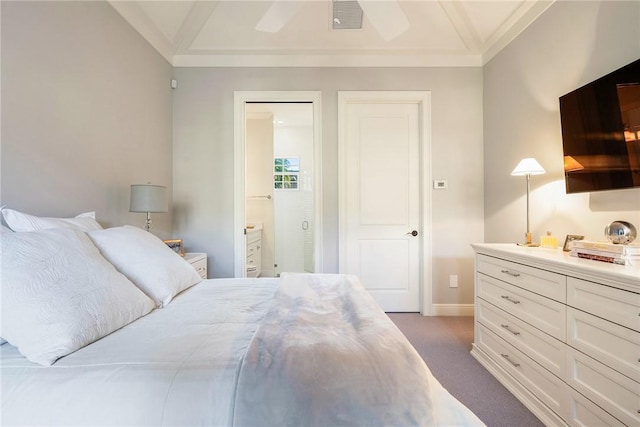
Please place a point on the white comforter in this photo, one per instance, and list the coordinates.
(226, 353)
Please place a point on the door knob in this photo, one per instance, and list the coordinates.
(414, 233)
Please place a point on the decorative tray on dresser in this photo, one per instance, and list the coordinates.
(561, 333)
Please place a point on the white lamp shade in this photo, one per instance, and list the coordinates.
(528, 166)
(148, 198)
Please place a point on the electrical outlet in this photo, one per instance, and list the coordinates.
(453, 280)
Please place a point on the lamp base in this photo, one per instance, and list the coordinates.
(528, 243)
(147, 226)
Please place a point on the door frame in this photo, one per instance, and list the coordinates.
(423, 99)
(240, 99)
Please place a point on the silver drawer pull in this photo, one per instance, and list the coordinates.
(508, 298)
(506, 356)
(507, 328)
(510, 273)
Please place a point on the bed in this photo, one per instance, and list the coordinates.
(300, 350)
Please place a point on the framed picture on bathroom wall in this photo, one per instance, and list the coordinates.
(175, 245)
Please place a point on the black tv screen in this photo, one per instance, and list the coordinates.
(601, 132)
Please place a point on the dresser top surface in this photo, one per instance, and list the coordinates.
(562, 262)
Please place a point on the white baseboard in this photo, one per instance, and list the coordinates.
(452, 309)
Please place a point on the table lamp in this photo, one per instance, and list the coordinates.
(528, 167)
(148, 198)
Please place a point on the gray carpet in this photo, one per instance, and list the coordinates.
(444, 343)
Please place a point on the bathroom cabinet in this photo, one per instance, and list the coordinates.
(254, 252)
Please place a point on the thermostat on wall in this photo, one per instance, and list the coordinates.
(440, 184)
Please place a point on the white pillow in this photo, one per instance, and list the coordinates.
(19, 221)
(59, 294)
(147, 261)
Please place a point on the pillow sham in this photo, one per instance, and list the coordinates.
(150, 264)
(58, 294)
(18, 221)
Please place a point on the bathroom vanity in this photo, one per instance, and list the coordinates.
(254, 251)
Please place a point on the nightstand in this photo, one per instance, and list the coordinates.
(198, 261)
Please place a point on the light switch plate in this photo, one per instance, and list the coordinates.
(440, 184)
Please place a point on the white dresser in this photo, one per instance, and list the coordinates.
(561, 333)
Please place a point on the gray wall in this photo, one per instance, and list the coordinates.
(203, 158)
(86, 111)
(571, 44)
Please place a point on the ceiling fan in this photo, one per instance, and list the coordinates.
(386, 16)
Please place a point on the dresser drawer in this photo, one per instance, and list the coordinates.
(547, 315)
(201, 267)
(198, 261)
(252, 248)
(546, 386)
(613, 345)
(542, 282)
(619, 306)
(605, 387)
(251, 260)
(542, 348)
(581, 412)
(253, 235)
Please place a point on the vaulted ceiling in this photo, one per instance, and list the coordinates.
(300, 33)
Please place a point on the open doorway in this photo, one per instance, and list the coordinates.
(279, 188)
(277, 182)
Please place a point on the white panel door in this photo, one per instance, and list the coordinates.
(381, 203)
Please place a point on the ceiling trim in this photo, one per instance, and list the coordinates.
(515, 25)
(178, 54)
(328, 60)
(136, 17)
(193, 23)
(462, 24)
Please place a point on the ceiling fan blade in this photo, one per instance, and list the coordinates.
(387, 17)
(278, 15)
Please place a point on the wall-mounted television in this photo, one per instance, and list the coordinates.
(601, 132)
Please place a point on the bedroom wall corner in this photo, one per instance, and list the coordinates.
(571, 44)
(86, 111)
